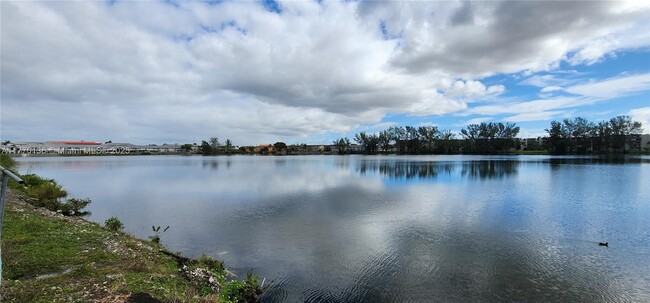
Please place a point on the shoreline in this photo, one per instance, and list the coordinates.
(50, 257)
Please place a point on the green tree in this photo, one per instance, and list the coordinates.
(384, 140)
(206, 148)
(602, 133)
(580, 132)
(397, 134)
(446, 140)
(228, 146)
(280, 146)
(488, 138)
(429, 136)
(558, 138)
(369, 142)
(621, 127)
(342, 145)
(214, 144)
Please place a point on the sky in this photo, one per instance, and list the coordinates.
(313, 71)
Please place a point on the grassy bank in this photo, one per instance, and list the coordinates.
(51, 257)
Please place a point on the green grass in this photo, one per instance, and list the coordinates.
(48, 257)
(101, 263)
(33, 246)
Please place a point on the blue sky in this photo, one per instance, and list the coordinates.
(313, 71)
(634, 62)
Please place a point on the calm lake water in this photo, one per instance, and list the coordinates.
(389, 228)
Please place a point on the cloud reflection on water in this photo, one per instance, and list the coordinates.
(455, 228)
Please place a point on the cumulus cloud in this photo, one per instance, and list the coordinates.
(466, 89)
(154, 71)
(587, 93)
(507, 37)
(642, 115)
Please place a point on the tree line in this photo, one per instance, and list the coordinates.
(569, 136)
(581, 136)
(483, 138)
(213, 147)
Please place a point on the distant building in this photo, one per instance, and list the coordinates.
(637, 142)
(264, 148)
(356, 148)
(645, 142)
(538, 143)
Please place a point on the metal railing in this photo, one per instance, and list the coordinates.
(6, 174)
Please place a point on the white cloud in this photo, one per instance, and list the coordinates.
(537, 116)
(550, 106)
(535, 106)
(487, 37)
(542, 81)
(549, 89)
(613, 87)
(642, 115)
(465, 89)
(151, 71)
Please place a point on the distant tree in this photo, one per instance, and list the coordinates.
(186, 147)
(602, 133)
(488, 138)
(428, 136)
(446, 139)
(397, 134)
(214, 143)
(342, 145)
(228, 146)
(280, 146)
(6, 142)
(369, 142)
(470, 133)
(109, 141)
(621, 127)
(558, 138)
(580, 132)
(384, 140)
(206, 148)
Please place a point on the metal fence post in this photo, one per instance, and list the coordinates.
(6, 174)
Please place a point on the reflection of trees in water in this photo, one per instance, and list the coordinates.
(430, 170)
(214, 165)
(599, 160)
(405, 169)
(489, 169)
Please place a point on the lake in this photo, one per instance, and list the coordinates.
(389, 228)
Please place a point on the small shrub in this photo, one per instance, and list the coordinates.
(156, 237)
(113, 224)
(243, 291)
(46, 192)
(7, 162)
(73, 207)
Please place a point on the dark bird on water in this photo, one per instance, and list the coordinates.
(603, 244)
